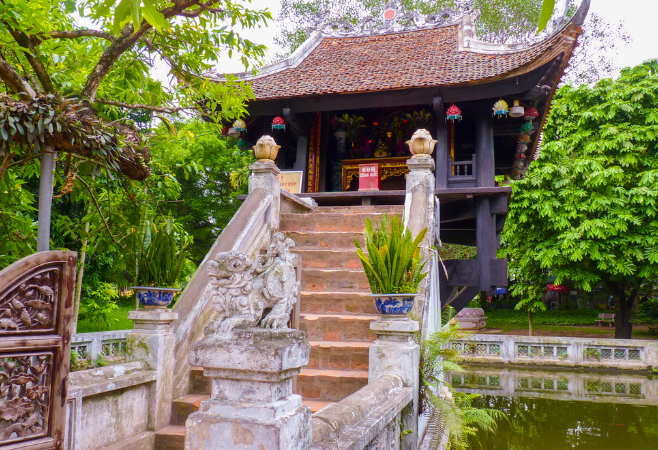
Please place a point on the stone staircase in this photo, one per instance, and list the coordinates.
(335, 313)
(335, 310)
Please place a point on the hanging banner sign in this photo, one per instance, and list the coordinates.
(291, 181)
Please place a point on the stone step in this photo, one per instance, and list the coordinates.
(337, 327)
(316, 405)
(171, 437)
(337, 302)
(313, 258)
(330, 385)
(334, 280)
(339, 355)
(329, 239)
(328, 221)
(184, 406)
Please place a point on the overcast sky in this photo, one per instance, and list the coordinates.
(638, 16)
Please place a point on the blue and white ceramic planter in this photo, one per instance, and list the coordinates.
(154, 297)
(394, 304)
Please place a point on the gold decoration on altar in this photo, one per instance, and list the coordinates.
(388, 167)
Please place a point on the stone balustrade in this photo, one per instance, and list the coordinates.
(88, 348)
(559, 351)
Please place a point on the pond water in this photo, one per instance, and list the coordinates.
(556, 410)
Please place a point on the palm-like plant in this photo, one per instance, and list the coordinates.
(393, 264)
(453, 421)
(161, 260)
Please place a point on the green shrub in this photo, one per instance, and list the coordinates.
(558, 318)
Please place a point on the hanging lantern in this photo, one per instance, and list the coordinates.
(243, 143)
(527, 128)
(239, 126)
(225, 130)
(524, 139)
(518, 164)
(454, 113)
(520, 147)
(278, 123)
(500, 108)
(519, 156)
(530, 114)
(516, 110)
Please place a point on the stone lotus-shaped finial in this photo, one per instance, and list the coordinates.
(421, 143)
(266, 149)
(242, 289)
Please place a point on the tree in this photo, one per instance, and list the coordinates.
(587, 209)
(594, 57)
(532, 303)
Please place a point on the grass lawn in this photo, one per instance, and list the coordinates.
(118, 320)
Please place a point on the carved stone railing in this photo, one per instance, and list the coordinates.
(248, 232)
(88, 348)
(558, 351)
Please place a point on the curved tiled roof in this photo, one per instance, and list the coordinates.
(414, 59)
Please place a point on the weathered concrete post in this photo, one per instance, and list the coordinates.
(251, 357)
(419, 201)
(151, 340)
(395, 352)
(252, 404)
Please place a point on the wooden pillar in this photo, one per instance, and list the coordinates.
(442, 148)
(485, 241)
(484, 147)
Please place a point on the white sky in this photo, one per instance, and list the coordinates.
(639, 17)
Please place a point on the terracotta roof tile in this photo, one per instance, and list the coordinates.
(394, 61)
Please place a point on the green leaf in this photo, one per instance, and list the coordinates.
(155, 17)
(545, 15)
(136, 13)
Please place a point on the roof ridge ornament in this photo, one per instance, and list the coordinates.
(392, 20)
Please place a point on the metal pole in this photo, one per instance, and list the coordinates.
(45, 198)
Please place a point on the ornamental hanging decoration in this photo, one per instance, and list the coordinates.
(517, 110)
(500, 108)
(239, 126)
(527, 128)
(531, 114)
(278, 123)
(454, 113)
(524, 139)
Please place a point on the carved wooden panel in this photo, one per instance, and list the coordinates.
(36, 301)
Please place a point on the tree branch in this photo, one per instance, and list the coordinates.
(165, 110)
(32, 58)
(99, 211)
(127, 40)
(13, 80)
(5, 164)
(71, 34)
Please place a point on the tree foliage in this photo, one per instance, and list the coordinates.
(587, 208)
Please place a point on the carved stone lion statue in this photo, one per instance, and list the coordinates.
(249, 293)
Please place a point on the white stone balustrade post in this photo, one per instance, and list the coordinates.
(263, 176)
(252, 404)
(151, 340)
(395, 352)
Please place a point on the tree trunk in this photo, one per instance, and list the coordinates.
(623, 306)
(78, 281)
(529, 323)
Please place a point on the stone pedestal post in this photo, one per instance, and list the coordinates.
(263, 176)
(151, 340)
(395, 352)
(252, 404)
(419, 213)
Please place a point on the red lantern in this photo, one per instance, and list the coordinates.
(278, 123)
(225, 130)
(454, 113)
(530, 114)
(557, 288)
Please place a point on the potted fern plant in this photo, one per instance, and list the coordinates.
(159, 265)
(393, 265)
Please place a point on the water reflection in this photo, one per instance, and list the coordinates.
(556, 410)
